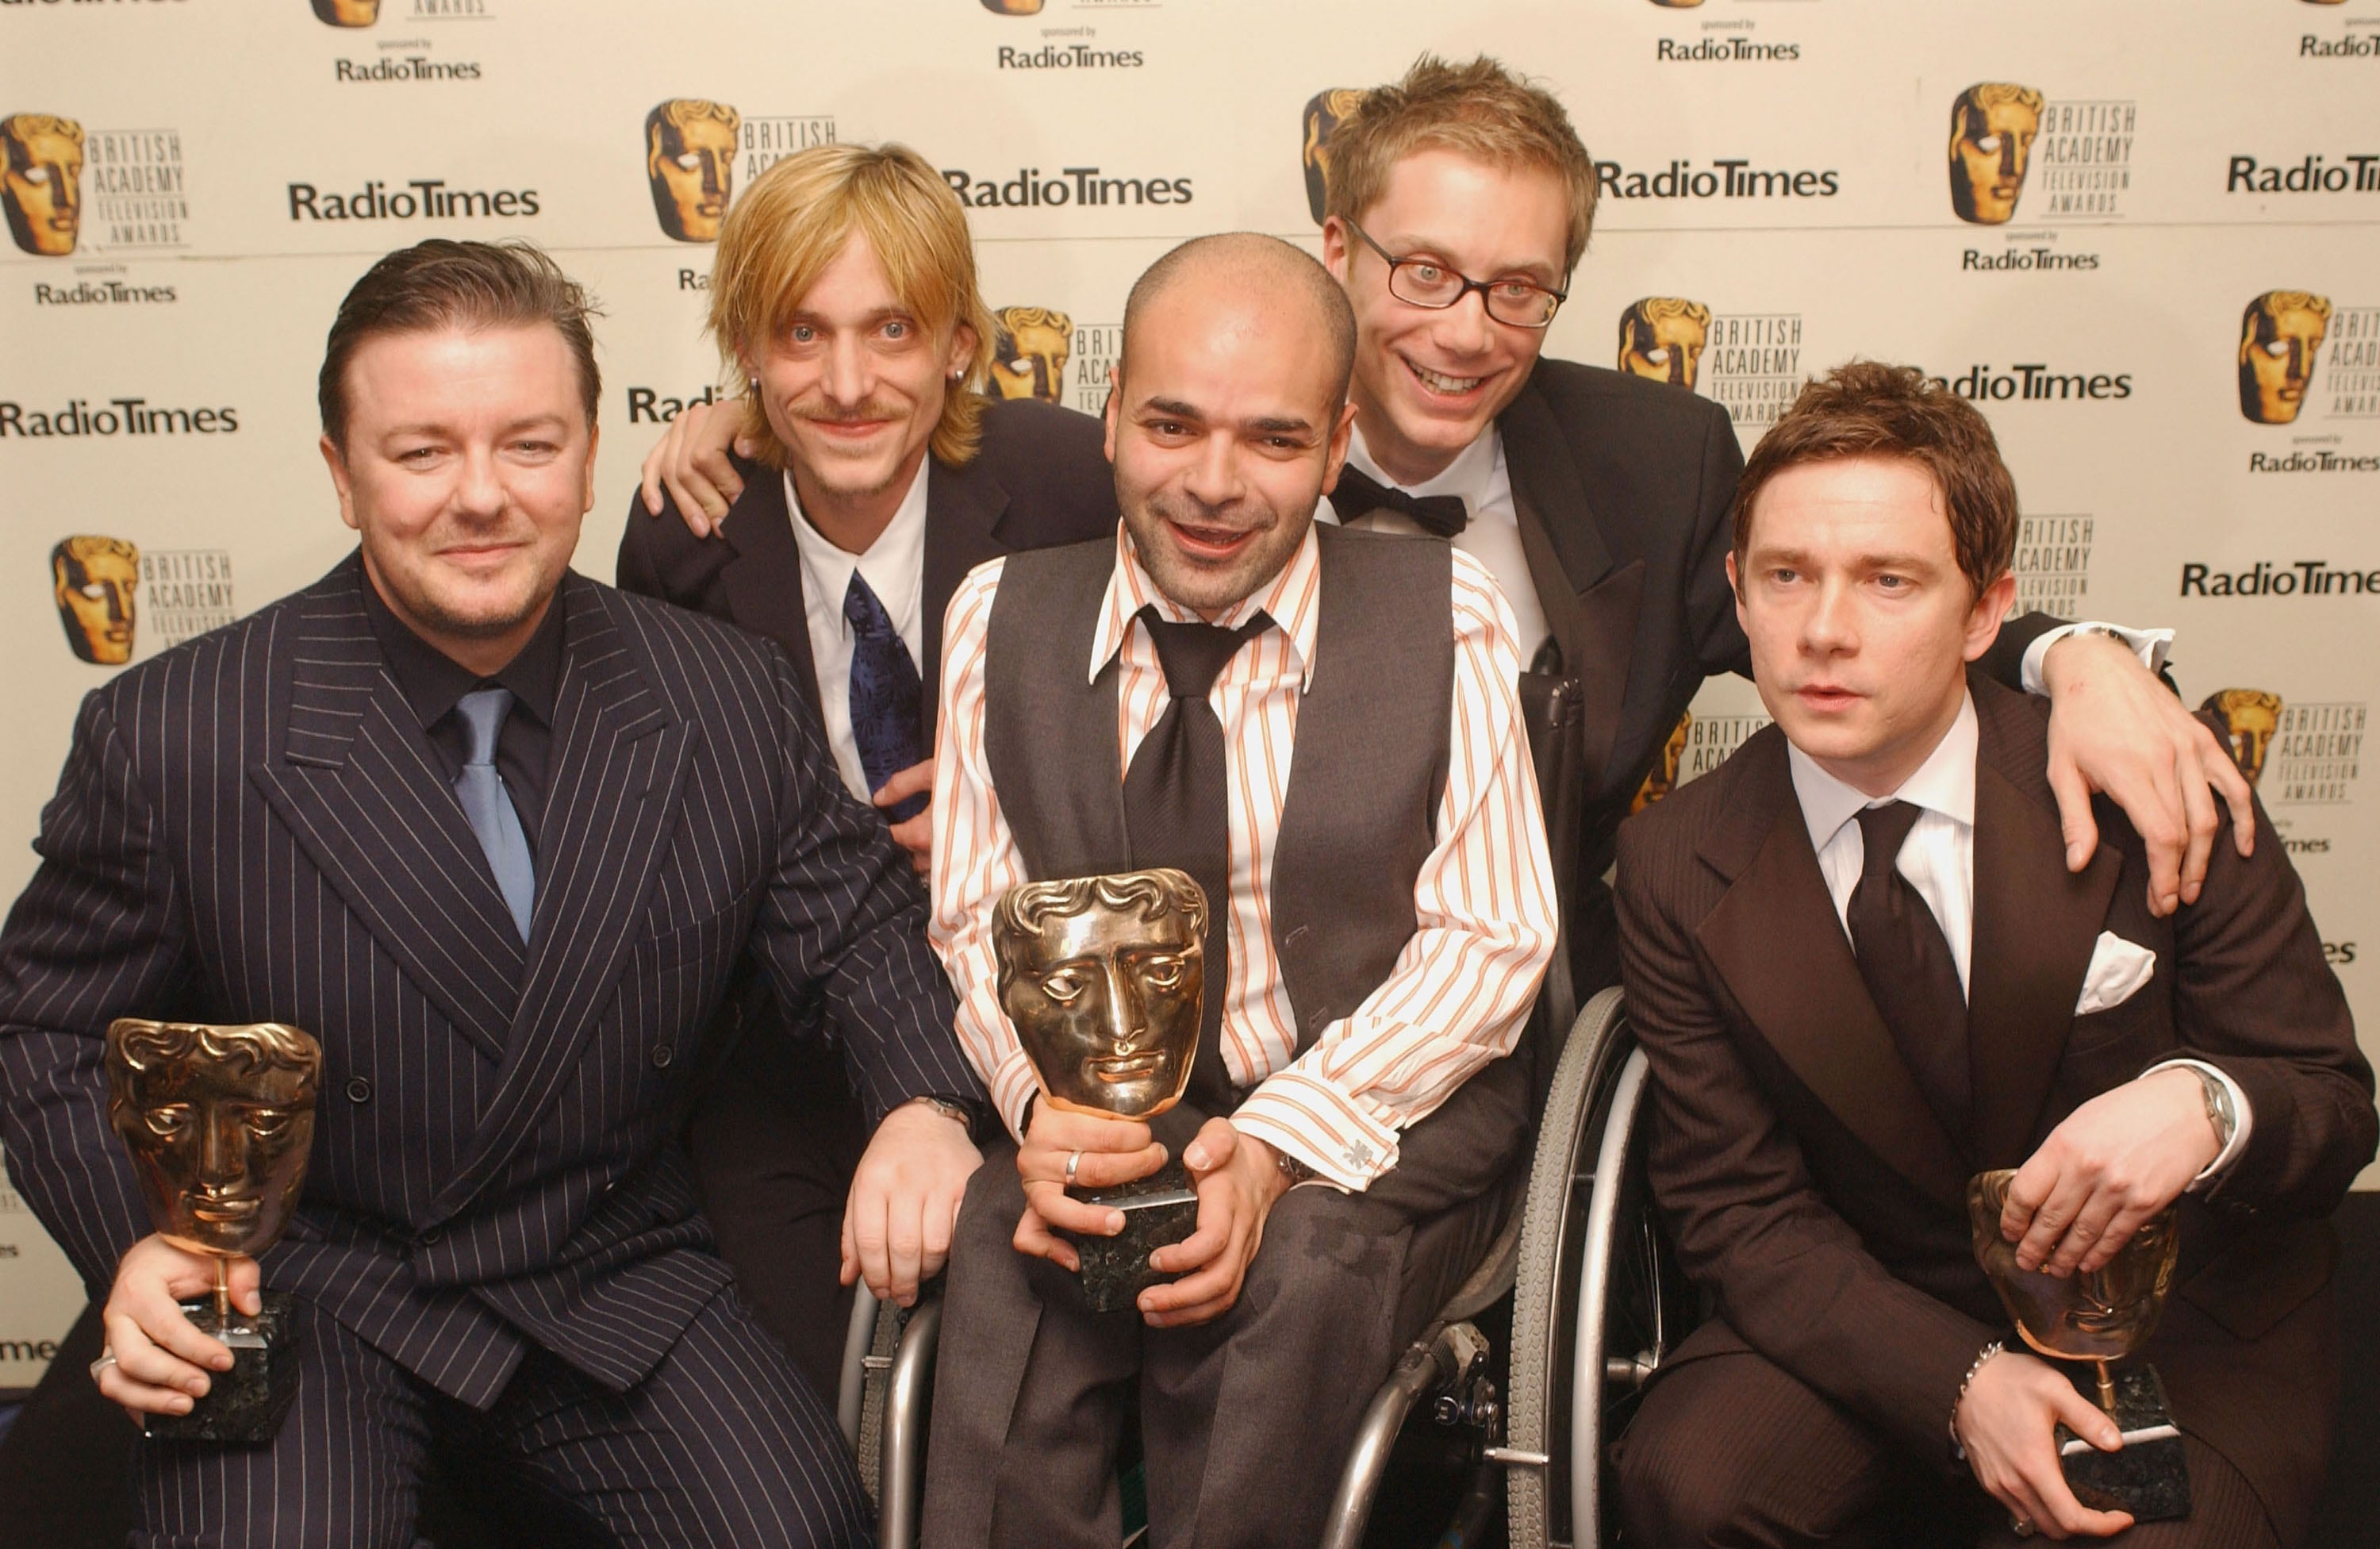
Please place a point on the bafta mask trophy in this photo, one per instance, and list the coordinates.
(219, 1121)
(1103, 979)
(2099, 1316)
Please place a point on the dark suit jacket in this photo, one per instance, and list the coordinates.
(1623, 489)
(252, 827)
(1040, 480)
(1810, 1185)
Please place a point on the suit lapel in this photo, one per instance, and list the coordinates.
(359, 788)
(764, 579)
(2037, 924)
(1591, 608)
(1776, 939)
(619, 757)
(964, 510)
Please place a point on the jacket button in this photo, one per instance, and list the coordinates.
(358, 1090)
(433, 1236)
(662, 1058)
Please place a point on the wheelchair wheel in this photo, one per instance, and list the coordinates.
(1597, 1302)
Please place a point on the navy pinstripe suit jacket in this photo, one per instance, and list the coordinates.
(252, 827)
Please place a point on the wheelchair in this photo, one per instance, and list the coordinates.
(1594, 1295)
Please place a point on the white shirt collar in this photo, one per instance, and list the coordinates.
(1469, 477)
(1945, 783)
(894, 564)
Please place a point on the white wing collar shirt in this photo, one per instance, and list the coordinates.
(1484, 900)
(1937, 859)
(894, 566)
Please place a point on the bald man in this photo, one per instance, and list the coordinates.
(1382, 906)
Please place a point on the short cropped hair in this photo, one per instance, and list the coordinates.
(1269, 264)
(793, 222)
(1479, 110)
(445, 284)
(1870, 410)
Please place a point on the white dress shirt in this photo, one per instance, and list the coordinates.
(1479, 479)
(1483, 902)
(895, 568)
(1938, 861)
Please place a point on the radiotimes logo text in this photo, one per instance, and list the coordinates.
(2034, 382)
(421, 198)
(102, 292)
(2027, 260)
(2298, 578)
(113, 416)
(404, 68)
(1032, 188)
(2352, 46)
(1724, 178)
(2312, 173)
(1069, 56)
(1724, 51)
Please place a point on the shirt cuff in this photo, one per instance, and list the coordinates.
(2240, 1109)
(1013, 1087)
(2150, 645)
(1347, 1140)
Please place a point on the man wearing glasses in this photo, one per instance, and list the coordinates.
(1599, 501)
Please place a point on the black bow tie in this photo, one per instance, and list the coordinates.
(1358, 494)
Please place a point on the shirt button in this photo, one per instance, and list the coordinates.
(662, 1058)
(358, 1090)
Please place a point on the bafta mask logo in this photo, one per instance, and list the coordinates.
(2104, 1314)
(1661, 340)
(690, 160)
(2279, 334)
(219, 1121)
(347, 12)
(1324, 113)
(2250, 716)
(95, 579)
(41, 186)
(1992, 130)
(1012, 7)
(1029, 358)
(1662, 778)
(1103, 978)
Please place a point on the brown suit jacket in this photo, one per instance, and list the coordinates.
(1812, 1189)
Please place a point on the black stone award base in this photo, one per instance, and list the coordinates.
(1158, 1209)
(2149, 1476)
(244, 1405)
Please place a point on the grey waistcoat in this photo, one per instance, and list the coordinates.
(1370, 769)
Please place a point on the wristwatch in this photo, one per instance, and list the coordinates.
(2219, 1111)
(1296, 1171)
(959, 1112)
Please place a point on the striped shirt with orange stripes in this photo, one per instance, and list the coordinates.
(1484, 901)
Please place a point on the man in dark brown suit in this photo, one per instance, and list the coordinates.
(1837, 1045)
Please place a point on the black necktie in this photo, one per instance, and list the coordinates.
(1359, 494)
(1909, 972)
(884, 695)
(1176, 811)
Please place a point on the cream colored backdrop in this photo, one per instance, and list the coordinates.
(1783, 162)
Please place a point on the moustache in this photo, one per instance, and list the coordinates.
(871, 409)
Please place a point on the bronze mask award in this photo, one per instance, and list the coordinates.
(1104, 978)
(219, 1121)
(2100, 1316)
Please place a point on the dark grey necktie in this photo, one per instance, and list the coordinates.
(489, 806)
(1911, 975)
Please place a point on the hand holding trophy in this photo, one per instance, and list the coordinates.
(1104, 977)
(220, 1122)
(2100, 1316)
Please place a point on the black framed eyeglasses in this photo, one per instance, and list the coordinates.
(1425, 282)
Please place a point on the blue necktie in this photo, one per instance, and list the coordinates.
(884, 696)
(489, 807)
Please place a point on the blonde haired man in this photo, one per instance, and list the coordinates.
(868, 475)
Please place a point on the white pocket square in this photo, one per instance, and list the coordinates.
(2118, 968)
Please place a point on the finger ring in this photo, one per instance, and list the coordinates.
(106, 1358)
(2021, 1526)
(1074, 1160)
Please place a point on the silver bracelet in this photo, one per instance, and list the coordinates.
(1958, 1448)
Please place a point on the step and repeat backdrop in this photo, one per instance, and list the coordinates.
(2144, 237)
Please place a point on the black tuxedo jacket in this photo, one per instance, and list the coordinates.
(1041, 479)
(252, 827)
(1624, 490)
(1813, 1189)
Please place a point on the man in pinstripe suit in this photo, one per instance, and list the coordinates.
(496, 834)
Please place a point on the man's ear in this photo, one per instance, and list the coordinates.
(338, 464)
(1114, 406)
(1334, 247)
(1342, 436)
(594, 434)
(1990, 610)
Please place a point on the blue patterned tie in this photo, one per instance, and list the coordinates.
(489, 807)
(884, 696)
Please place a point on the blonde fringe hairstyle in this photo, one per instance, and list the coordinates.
(792, 222)
(1480, 110)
